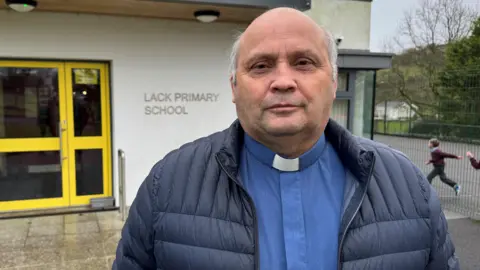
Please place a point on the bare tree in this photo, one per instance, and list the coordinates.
(435, 22)
(422, 37)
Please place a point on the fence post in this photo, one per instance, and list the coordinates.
(410, 119)
(385, 119)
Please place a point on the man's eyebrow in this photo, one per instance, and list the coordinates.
(305, 52)
(273, 56)
(260, 55)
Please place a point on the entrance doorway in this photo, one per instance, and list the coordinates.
(54, 134)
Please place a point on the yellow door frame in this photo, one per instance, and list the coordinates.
(83, 143)
(65, 144)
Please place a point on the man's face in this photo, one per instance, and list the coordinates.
(284, 82)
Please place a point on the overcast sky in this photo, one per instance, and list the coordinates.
(386, 15)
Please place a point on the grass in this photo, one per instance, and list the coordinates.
(392, 126)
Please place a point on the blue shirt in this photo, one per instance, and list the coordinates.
(298, 212)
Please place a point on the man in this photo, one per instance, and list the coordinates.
(475, 163)
(284, 187)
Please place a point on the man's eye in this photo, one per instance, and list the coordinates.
(303, 62)
(260, 66)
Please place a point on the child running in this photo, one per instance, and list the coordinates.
(438, 161)
(475, 163)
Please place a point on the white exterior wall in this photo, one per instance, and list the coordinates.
(157, 56)
(350, 19)
(148, 56)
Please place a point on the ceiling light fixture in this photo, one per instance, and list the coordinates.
(206, 16)
(22, 5)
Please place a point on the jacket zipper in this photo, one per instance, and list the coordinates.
(340, 246)
(256, 251)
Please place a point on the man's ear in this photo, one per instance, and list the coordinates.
(233, 85)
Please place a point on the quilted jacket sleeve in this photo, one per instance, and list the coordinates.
(442, 255)
(135, 249)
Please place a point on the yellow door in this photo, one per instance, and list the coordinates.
(87, 132)
(54, 134)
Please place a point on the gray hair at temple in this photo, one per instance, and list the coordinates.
(329, 40)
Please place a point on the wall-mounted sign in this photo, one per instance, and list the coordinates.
(174, 103)
(86, 76)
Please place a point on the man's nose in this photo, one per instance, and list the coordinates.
(283, 79)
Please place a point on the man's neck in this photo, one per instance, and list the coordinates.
(290, 146)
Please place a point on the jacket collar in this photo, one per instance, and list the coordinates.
(353, 156)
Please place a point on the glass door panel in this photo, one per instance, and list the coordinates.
(339, 111)
(87, 104)
(31, 141)
(30, 175)
(87, 97)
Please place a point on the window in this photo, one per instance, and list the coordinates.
(342, 84)
(339, 111)
(362, 121)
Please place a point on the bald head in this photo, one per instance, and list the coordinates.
(282, 21)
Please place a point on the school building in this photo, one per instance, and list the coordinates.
(82, 79)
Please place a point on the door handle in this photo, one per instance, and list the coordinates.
(61, 129)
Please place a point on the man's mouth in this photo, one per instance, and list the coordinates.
(283, 108)
(282, 105)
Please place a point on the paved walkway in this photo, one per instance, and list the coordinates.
(466, 237)
(88, 241)
(81, 241)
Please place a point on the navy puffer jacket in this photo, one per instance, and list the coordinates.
(192, 211)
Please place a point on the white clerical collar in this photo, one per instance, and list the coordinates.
(269, 158)
(286, 165)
